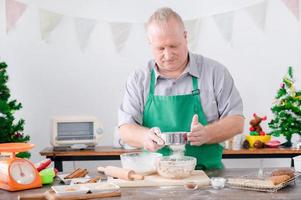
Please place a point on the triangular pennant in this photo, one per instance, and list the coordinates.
(120, 33)
(258, 14)
(84, 28)
(48, 22)
(224, 23)
(293, 6)
(14, 11)
(193, 29)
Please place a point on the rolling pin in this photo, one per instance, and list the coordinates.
(51, 195)
(120, 173)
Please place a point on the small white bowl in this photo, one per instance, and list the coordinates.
(297, 163)
(218, 182)
(66, 190)
(191, 185)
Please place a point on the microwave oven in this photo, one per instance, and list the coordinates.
(78, 132)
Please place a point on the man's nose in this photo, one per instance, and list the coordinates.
(167, 54)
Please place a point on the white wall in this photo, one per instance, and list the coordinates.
(56, 77)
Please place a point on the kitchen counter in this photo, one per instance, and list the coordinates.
(178, 192)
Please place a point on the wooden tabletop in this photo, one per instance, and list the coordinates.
(98, 151)
(263, 151)
(109, 151)
(178, 192)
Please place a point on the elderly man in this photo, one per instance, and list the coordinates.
(180, 91)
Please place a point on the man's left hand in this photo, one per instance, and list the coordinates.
(199, 134)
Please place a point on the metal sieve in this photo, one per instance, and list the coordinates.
(174, 138)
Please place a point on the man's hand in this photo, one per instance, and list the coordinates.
(199, 134)
(151, 141)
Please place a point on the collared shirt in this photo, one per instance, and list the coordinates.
(218, 94)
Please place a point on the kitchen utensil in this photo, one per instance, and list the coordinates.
(176, 167)
(17, 173)
(174, 138)
(142, 163)
(251, 182)
(51, 195)
(197, 176)
(121, 173)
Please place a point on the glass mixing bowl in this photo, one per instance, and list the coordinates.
(175, 167)
(142, 163)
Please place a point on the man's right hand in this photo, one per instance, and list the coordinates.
(151, 141)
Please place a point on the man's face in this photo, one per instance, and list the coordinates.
(169, 45)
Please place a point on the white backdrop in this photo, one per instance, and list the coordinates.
(57, 77)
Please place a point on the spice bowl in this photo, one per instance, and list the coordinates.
(218, 182)
(191, 185)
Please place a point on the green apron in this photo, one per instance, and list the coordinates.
(173, 114)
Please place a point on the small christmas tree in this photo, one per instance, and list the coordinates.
(10, 131)
(287, 110)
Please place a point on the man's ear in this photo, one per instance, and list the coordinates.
(185, 35)
(148, 38)
(149, 41)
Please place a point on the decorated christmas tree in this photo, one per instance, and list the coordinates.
(287, 110)
(10, 129)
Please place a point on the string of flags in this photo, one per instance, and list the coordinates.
(49, 21)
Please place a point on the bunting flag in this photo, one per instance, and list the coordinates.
(121, 30)
(293, 6)
(224, 23)
(258, 14)
(48, 22)
(120, 33)
(84, 28)
(193, 31)
(14, 11)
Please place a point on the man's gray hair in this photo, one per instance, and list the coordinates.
(162, 15)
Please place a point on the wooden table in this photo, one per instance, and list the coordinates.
(110, 153)
(178, 192)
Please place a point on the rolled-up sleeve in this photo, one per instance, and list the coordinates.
(130, 110)
(227, 95)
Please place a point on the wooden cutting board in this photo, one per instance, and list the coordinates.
(50, 195)
(198, 176)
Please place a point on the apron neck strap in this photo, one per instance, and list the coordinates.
(152, 83)
(195, 90)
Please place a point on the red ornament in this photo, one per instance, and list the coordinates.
(282, 85)
(18, 135)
